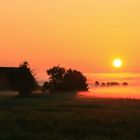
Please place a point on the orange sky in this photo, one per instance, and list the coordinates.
(82, 34)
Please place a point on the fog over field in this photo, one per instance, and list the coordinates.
(130, 91)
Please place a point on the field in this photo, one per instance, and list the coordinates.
(63, 116)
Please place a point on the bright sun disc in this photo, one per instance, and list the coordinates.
(117, 63)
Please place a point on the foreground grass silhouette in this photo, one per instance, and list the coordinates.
(64, 117)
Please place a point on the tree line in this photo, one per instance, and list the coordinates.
(60, 79)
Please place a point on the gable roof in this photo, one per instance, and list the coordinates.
(8, 68)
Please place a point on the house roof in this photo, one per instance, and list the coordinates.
(8, 69)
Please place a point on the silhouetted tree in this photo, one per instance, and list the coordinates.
(113, 84)
(65, 80)
(125, 84)
(108, 83)
(97, 83)
(103, 84)
(23, 80)
(48, 86)
(74, 80)
(25, 64)
(56, 75)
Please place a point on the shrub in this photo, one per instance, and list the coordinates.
(61, 79)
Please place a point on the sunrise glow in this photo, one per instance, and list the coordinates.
(69, 69)
(117, 63)
(81, 34)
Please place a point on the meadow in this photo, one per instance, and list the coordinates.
(65, 116)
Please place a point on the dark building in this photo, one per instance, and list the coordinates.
(5, 75)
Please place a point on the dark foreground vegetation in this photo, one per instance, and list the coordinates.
(24, 80)
(61, 79)
(109, 84)
(64, 117)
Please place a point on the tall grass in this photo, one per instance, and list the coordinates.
(63, 117)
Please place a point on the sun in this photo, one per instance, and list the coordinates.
(117, 63)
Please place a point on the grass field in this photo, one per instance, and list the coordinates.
(64, 117)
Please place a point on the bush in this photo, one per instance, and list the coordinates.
(74, 80)
(61, 79)
(97, 83)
